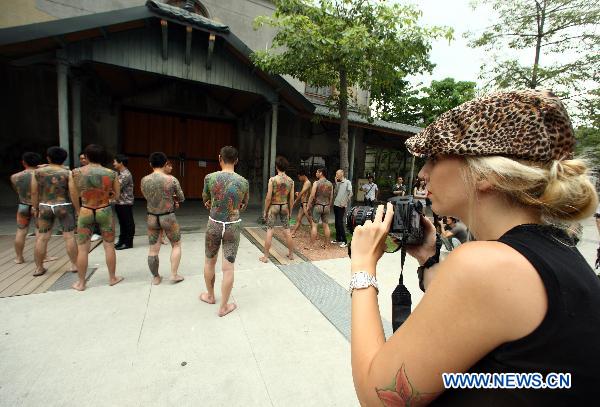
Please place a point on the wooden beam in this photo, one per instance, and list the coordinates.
(34, 59)
(188, 44)
(211, 48)
(60, 41)
(165, 38)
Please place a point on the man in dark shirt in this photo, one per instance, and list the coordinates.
(124, 205)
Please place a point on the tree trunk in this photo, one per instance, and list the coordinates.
(541, 18)
(343, 110)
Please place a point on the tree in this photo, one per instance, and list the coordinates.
(347, 43)
(420, 107)
(561, 37)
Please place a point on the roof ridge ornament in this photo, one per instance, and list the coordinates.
(184, 16)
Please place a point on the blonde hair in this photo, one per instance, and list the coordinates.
(560, 189)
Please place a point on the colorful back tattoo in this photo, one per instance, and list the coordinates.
(161, 191)
(323, 193)
(53, 184)
(227, 193)
(22, 184)
(95, 185)
(282, 187)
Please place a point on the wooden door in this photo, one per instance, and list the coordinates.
(191, 144)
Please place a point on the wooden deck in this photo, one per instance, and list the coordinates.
(18, 279)
(278, 250)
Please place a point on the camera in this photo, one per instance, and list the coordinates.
(406, 226)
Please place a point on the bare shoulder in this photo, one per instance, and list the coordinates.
(499, 280)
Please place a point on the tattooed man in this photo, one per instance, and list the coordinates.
(302, 197)
(225, 194)
(96, 186)
(50, 200)
(163, 194)
(321, 198)
(21, 182)
(278, 204)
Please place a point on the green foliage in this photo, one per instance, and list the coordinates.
(588, 144)
(421, 107)
(561, 36)
(371, 45)
(375, 43)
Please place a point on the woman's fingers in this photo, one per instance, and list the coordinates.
(389, 215)
(378, 214)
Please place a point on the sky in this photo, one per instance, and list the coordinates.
(455, 59)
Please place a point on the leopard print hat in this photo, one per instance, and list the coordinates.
(527, 124)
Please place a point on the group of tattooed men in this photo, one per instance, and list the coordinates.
(315, 199)
(81, 200)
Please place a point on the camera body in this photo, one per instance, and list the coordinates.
(406, 226)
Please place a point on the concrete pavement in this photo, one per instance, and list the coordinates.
(141, 345)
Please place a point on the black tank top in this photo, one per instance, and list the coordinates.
(566, 341)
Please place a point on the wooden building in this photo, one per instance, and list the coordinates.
(166, 77)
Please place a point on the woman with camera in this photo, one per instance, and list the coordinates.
(520, 299)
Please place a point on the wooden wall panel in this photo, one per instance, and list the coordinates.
(186, 141)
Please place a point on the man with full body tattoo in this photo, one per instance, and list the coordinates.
(96, 186)
(163, 193)
(278, 203)
(320, 201)
(225, 194)
(302, 197)
(21, 183)
(50, 199)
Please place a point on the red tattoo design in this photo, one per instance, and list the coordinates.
(402, 392)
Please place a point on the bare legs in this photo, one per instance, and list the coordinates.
(83, 250)
(209, 280)
(111, 262)
(82, 264)
(41, 245)
(290, 243)
(268, 241)
(20, 245)
(327, 234)
(301, 214)
(153, 262)
(226, 285)
(175, 259)
(71, 250)
(313, 235)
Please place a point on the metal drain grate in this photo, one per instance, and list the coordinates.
(330, 298)
(68, 279)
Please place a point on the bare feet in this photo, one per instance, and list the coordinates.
(290, 256)
(207, 298)
(79, 286)
(115, 281)
(52, 258)
(39, 272)
(156, 280)
(20, 261)
(163, 241)
(73, 268)
(308, 248)
(177, 279)
(228, 308)
(264, 259)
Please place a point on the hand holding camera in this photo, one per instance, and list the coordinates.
(368, 241)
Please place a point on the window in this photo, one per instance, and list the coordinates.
(319, 92)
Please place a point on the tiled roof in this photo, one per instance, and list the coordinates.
(355, 117)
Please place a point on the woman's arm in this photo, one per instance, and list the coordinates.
(450, 329)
